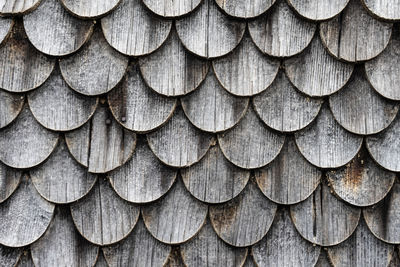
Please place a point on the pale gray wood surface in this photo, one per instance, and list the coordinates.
(10, 106)
(133, 31)
(249, 262)
(315, 72)
(245, 8)
(91, 8)
(289, 179)
(244, 220)
(211, 108)
(177, 217)
(17, 7)
(62, 245)
(171, 8)
(101, 261)
(281, 33)
(25, 216)
(250, 144)
(9, 256)
(136, 106)
(384, 9)
(349, 36)
(318, 9)
(102, 217)
(9, 181)
(25, 259)
(96, 68)
(208, 32)
(323, 260)
(214, 179)
(172, 70)
(6, 25)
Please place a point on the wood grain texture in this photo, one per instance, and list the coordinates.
(10, 106)
(176, 218)
(25, 216)
(317, 9)
(102, 217)
(138, 249)
(5, 27)
(280, 33)
(244, 220)
(101, 144)
(62, 245)
(9, 256)
(289, 179)
(143, 178)
(244, 8)
(395, 259)
(174, 8)
(249, 262)
(284, 246)
(175, 259)
(66, 34)
(207, 249)
(25, 143)
(90, 9)
(250, 144)
(326, 144)
(213, 109)
(178, 143)
(208, 32)
(17, 7)
(133, 31)
(136, 106)
(9, 181)
(354, 35)
(323, 260)
(25, 260)
(171, 70)
(384, 9)
(315, 72)
(323, 219)
(96, 69)
(214, 179)
(101, 261)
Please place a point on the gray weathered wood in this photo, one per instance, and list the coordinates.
(384, 9)
(245, 71)
(175, 259)
(250, 144)
(136, 106)
(138, 249)
(323, 260)
(315, 72)
(25, 143)
(9, 181)
(143, 178)
(349, 36)
(10, 106)
(101, 261)
(102, 217)
(214, 179)
(177, 217)
(17, 7)
(207, 249)
(96, 69)
(326, 144)
(62, 245)
(245, 8)
(178, 143)
(244, 220)
(57, 107)
(171, 70)
(318, 9)
(395, 259)
(323, 219)
(133, 31)
(249, 262)
(171, 8)
(101, 144)
(5, 27)
(25, 260)
(9, 256)
(66, 33)
(281, 33)
(213, 109)
(289, 179)
(91, 8)
(208, 32)
(284, 246)
(25, 216)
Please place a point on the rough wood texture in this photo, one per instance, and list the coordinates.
(10, 106)
(25, 216)
(25, 143)
(171, 8)
(5, 27)
(62, 245)
(323, 219)
(171, 70)
(101, 144)
(214, 179)
(315, 72)
(9, 256)
(281, 33)
(244, 220)
(136, 106)
(284, 246)
(138, 249)
(250, 144)
(208, 32)
(207, 249)
(91, 8)
(101, 261)
(326, 144)
(178, 143)
(177, 217)
(249, 262)
(354, 35)
(143, 178)
(9, 181)
(66, 34)
(102, 217)
(395, 260)
(175, 259)
(133, 31)
(245, 8)
(323, 260)
(289, 179)
(17, 7)
(213, 109)
(384, 9)
(25, 260)
(318, 9)
(96, 69)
